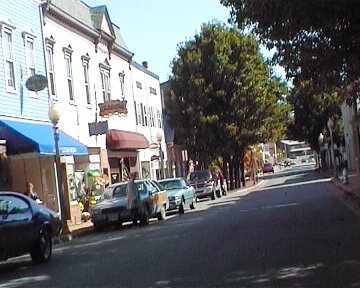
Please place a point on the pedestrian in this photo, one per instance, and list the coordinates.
(133, 198)
(222, 186)
(30, 192)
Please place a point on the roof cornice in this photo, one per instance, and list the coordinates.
(96, 35)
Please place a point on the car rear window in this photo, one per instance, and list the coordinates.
(267, 165)
(200, 175)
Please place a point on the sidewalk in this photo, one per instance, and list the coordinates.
(83, 228)
(352, 189)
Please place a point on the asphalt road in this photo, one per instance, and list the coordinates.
(295, 230)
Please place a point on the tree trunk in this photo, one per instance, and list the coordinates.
(231, 172)
(242, 167)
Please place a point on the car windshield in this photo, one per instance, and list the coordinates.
(114, 192)
(171, 184)
(199, 175)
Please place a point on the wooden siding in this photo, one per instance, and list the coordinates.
(23, 15)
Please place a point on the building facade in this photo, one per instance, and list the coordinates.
(27, 139)
(108, 102)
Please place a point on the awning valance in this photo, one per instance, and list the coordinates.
(125, 140)
(29, 137)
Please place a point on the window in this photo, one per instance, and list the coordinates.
(67, 54)
(142, 114)
(50, 65)
(122, 85)
(30, 56)
(85, 63)
(138, 85)
(105, 85)
(105, 80)
(152, 90)
(159, 118)
(139, 114)
(145, 123)
(8, 52)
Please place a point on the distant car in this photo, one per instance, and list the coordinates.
(267, 168)
(26, 227)
(111, 207)
(180, 194)
(205, 184)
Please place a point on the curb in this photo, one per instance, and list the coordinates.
(75, 234)
(246, 189)
(347, 190)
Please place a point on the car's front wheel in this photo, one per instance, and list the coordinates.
(162, 213)
(42, 250)
(193, 203)
(145, 217)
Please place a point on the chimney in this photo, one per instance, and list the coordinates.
(145, 64)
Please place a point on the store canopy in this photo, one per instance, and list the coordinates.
(29, 137)
(124, 140)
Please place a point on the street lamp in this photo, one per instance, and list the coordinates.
(159, 138)
(321, 142)
(54, 116)
(330, 125)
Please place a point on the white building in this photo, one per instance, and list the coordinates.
(107, 101)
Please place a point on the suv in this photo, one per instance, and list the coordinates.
(205, 184)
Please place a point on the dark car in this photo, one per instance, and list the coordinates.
(205, 184)
(180, 194)
(26, 227)
(112, 204)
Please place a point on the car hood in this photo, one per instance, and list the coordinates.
(174, 192)
(110, 203)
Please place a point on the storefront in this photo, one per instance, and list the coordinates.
(30, 157)
(122, 149)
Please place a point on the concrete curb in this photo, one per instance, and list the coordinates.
(346, 189)
(260, 183)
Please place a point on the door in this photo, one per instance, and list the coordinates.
(157, 197)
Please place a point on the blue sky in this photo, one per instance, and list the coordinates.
(152, 29)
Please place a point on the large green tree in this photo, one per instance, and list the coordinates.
(224, 96)
(316, 40)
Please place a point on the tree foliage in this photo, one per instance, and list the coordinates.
(223, 95)
(316, 40)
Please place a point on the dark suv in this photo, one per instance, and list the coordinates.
(205, 184)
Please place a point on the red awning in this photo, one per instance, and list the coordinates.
(120, 140)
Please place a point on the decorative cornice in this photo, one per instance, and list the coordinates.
(97, 36)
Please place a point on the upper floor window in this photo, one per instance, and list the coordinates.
(29, 43)
(85, 64)
(122, 85)
(152, 90)
(105, 80)
(8, 53)
(67, 54)
(50, 65)
(138, 85)
(138, 114)
(159, 118)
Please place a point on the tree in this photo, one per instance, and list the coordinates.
(224, 96)
(312, 112)
(316, 40)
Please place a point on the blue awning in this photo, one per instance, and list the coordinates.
(29, 137)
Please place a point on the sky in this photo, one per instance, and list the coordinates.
(152, 29)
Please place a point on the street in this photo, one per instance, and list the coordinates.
(294, 230)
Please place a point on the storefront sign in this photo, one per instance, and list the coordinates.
(98, 128)
(154, 146)
(113, 107)
(36, 83)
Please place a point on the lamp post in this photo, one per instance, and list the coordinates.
(253, 164)
(321, 142)
(330, 125)
(159, 138)
(54, 116)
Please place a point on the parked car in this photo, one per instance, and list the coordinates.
(180, 194)
(205, 184)
(267, 168)
(111, 207)
(26, 227)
